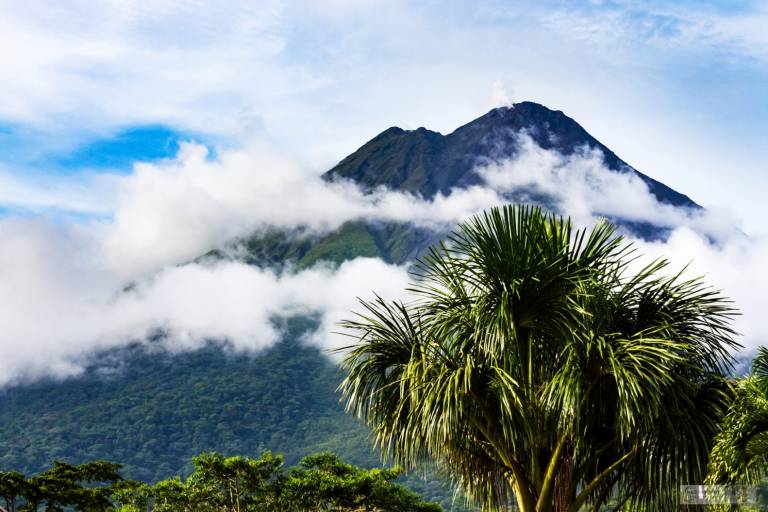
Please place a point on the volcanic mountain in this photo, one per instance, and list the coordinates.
(425, 162)
(153, 412)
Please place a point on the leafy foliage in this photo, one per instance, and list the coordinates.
(86, 487)
(154, 411)
(323, 481)
(740, 453)
(218, 484)
(13, 486)
(536, 368)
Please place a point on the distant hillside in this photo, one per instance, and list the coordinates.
(153, 411)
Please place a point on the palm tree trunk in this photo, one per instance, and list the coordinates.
(565, 487)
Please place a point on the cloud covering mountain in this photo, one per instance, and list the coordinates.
(69, 290)
(314, 76)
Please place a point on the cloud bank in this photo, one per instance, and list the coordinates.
(63, 285)
(580, 186)
(60, 310)
(179, 209)
(313, 76)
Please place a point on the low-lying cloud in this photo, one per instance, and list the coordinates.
(64, 293)
(580, 186)
(176, 210)
(736, 266)
(58, 309)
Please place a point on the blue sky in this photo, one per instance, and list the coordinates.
(677, 89)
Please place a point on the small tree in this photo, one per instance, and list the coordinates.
(12, 487)
(131, 496)
(324, 482)
(235, 483)
(740, 454)
(171, 496)
(66, 486)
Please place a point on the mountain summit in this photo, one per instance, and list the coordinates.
(427, 162)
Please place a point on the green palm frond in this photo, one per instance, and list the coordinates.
(536, 368)
(740, 453)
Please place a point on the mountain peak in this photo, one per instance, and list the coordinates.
(526, 108)
(426, 162)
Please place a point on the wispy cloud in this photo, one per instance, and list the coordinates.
(63, 295)
(61, 307)
(315, 77)
(726, 30)
(676, 89)
(89, 195)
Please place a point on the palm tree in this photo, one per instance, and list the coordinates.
(740, 454)
(536, 368)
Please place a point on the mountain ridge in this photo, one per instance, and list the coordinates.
(426, 162)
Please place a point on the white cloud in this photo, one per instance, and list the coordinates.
(178, 209)
(582, 187)
(316, 77)
(737, 267)
(84, 194)
(731, 30)
(60, 307)
(235, 302)
(175, 210)
(60, 283)
(112, 62)
(500, 95)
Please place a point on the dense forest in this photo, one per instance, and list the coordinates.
(153, 411)
(320, 481)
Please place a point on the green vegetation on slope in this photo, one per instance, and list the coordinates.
(352, 240)
(154, 411)
(392, 242)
